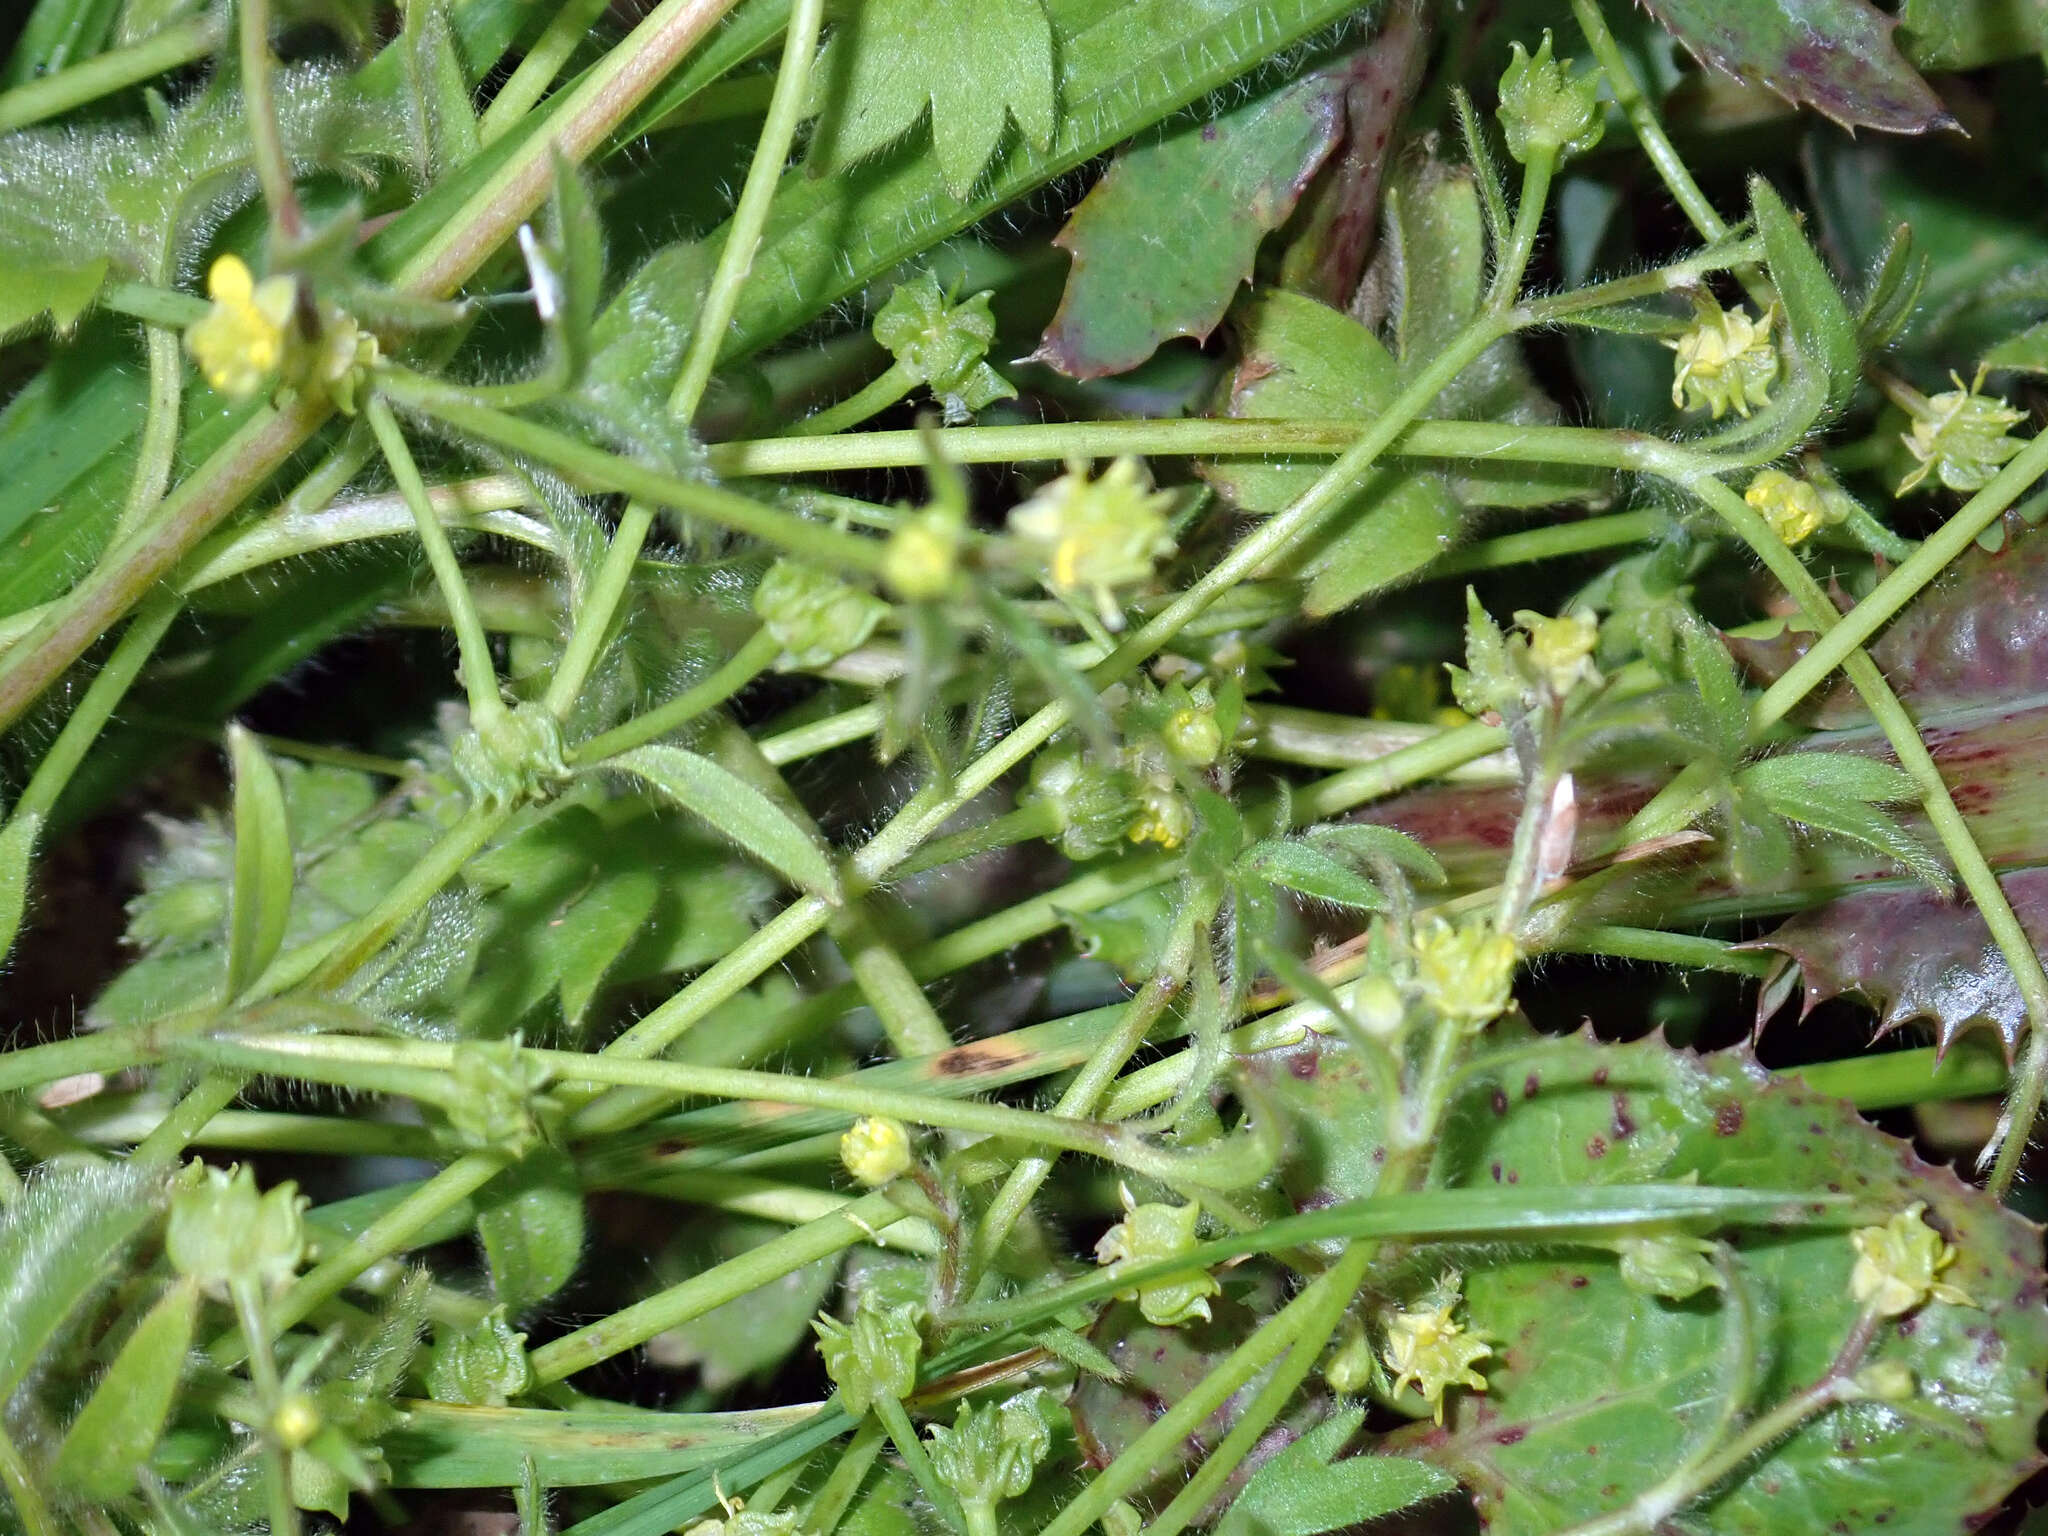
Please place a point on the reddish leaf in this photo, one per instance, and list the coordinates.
(1910, 955)
(1834, 55)
(1162, 242)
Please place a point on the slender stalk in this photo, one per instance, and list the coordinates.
(1553, 542)
(102, 697)
(874, 397)
(1273, 1396)
(741, 668)
(273, 165)
(828, 1507)
(173, 47)
(1081, 1095)
(1902, 584)
(1514, 260)
(692, 1298)
(537, 70)
(912, 1026)
(2024, 1101)
(159, 446)
(188, 1118)
(904, 1434)
(1035, 819)
(1642, 117)
(479, 677)
(30, 1506)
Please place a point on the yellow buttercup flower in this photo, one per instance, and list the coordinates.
(1791, 506)
(1726, 359)
(1561, 648)
(1465, 973)
(240, 342)
(1432, 1351)
(1899, 1265)
(876, 1149)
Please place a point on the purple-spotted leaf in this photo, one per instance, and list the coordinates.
(1162, 242)
(1596, 1392)
(1910, 955)
(1836, 56)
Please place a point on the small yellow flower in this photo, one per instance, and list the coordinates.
(1726, 359)
(1561, 649)
(1146, 1235)
(1432, 1351)
(1164, 816)
(876, 1149)
(240, 342)
(1898, 1265)
(1096, 535)
(1466, 974)
(1792, 507)
(1960, 437)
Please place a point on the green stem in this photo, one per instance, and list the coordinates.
(20, 1483)
(159, 446)
(1160, 1444)
(167, 1141)
(1318, 1324)
(181, 43)
(273, 165)
(594, 622)
(537, 70)
(1969, 1069)
(1034, 819)
(911, 1449)
(823, 1514)
(761, 1265)
(1661, 948)
(750, 214)
(741, 668)
(1642, 117)
(604, 471)
(1905, 582)
(2024, 1101)
(102, 697)
(479, 677)
(874, 397)
(909, 1022)
(1081, 1096)
(1514, 261)
(1554, 542)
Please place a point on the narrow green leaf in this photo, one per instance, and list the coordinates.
(1718, 691)
(445, 1445)
(1305, 868)
(1364, 840)
(17, 851)
(1841, 775)
(114, 1433)
(260, 900)
(576, 245)
(1823, 330)
(59, 1240)
(1305, 1490)
(530, 1222)
(733, 808)
(1846, 816)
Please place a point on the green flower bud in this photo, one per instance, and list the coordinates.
(222, 1231)
(1465, 973)
(1885, 1381)
(1671, 1266)
(485, 1366)
(875, 1150)
(1094, 805)
(1092, 536)
(1726, 360)
(1193, 736)
(1899, 1265)
(495, 1102)
(512, 758)
(1794, 508)
(1560, 650)
(1379, 1008)
(815, 617)
(990, 1455)
(1547, 110)
(1959, 437)
(874, 1355)
(922, 557)
(1352, 1367)
(297, 1420)
(942, 345)
(1146, 1235)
